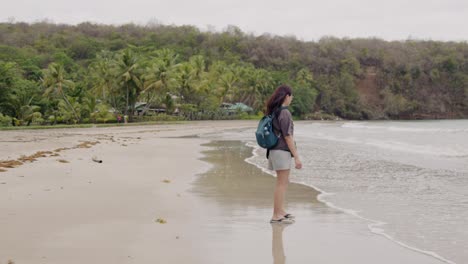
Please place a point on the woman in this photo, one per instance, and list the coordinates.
(279, 157)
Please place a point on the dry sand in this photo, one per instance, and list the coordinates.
(157, 198)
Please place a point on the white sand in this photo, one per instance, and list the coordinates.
(88, 212)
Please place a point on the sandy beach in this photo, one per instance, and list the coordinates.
(163, 195)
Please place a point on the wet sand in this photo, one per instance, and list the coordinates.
(163, 196)
(241, 197)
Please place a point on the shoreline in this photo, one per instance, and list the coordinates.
(304, 195)
(373, 225)
(215, 206)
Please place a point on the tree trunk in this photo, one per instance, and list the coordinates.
(126, 108)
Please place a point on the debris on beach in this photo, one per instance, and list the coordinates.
(2, 182)
(63, 161)
(166, 181)
(95, 159)
(61, 149)
(35, 156)
(124, 145)
(9, 164)
(10, 262)
(87, 144)
(161, 221)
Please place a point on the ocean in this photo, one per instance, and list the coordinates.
(407, 180)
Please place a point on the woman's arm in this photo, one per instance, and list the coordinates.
(292, 147)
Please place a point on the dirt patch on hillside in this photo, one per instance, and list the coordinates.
(368, 89)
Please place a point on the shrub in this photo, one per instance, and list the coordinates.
(5, 120)
(159, 117)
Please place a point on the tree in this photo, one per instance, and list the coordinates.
(305, 93)
(22, 102)
(129, 79)
(395, 104)
(55, 84)
(103, 73)
(8, 76)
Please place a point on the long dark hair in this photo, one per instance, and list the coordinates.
(277, 98)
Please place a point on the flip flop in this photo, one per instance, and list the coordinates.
(283, 220)
(289, 216)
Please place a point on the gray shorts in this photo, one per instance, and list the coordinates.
(279, 160)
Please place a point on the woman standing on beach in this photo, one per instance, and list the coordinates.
(279, 157)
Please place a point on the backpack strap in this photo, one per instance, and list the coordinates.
(278, 111)
(275, 115)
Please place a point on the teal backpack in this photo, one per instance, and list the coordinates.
(266, 137)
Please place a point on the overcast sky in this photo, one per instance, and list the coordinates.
(306, 19)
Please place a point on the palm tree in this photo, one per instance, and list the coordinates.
(162, 75)
(198, 66)
(129, 77)
(190, 79)
(103, 74)
(20, 102)
(159, 76)
(167, 56)
(227, 81)
(185, 80)
(54, 82)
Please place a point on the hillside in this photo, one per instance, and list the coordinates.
(348, 78)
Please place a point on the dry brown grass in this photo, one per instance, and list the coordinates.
(63, 161)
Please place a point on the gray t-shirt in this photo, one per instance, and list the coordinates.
(283, 125)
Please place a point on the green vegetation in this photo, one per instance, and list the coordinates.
(60, 74)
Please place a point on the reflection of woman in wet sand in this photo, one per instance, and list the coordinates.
(277, 244)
